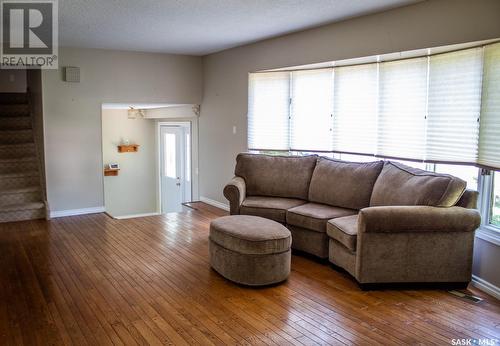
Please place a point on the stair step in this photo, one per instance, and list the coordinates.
(14, 167)
(15, 182)
(20, 196)
(14, 131)
(22, 206)
(13, 98)
(18, 136)
(22, 215)
(18, 159)
(12, 151)
(11, 191)
(30, 194)
(21, 174)
(16, 146)
(15, 123)
(14, 110)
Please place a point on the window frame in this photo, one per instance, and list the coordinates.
(487, 231)
(426, 148)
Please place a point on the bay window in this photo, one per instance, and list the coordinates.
(437, 112)
(440, 108)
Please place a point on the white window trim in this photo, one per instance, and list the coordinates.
(486, 231)
(489, 234)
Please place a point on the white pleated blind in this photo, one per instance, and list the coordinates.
(311, 110)
(454, 106)
(489, 142)
(355, 109)
(402, 108)
(268, 111)
(442, 108)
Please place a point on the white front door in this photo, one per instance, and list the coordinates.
(173, 166)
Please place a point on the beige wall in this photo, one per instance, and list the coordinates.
(72, 112)
(12, 81)
(34, 82)
(487, 261)
(134, 190)
(224, 105)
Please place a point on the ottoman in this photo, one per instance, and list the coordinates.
(250, 250)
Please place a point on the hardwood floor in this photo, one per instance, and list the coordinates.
(95, 280)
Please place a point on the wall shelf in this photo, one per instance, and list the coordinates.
(110, 172)
(132, 148)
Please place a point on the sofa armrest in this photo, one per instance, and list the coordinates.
(417, 218)
(468, 199)
(235, 192)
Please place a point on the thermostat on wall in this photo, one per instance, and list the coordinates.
(72, 74)
(113, 166)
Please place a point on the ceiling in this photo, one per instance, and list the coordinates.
(198, 27)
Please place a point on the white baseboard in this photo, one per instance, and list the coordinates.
(73, 212)
(486, 287)
(214, 203)
(132, 216)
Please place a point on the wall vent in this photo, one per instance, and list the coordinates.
(72, 74)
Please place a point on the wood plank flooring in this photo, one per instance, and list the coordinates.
(95, 280)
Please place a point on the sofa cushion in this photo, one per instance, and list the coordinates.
(250, 235)
(276, 176)
(344, 184)
(399, 184)
(273, 208)
(344, 230)
(314, 216)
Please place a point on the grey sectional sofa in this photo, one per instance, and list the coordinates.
(383, 222)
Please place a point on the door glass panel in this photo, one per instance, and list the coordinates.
(495, 205)
(170, 169)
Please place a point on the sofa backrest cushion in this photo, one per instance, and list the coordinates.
(344, 184)
(399, 184)
(276, 176)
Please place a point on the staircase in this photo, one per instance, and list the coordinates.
(21, 196)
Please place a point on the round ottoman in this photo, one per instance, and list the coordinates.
(250, 250)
